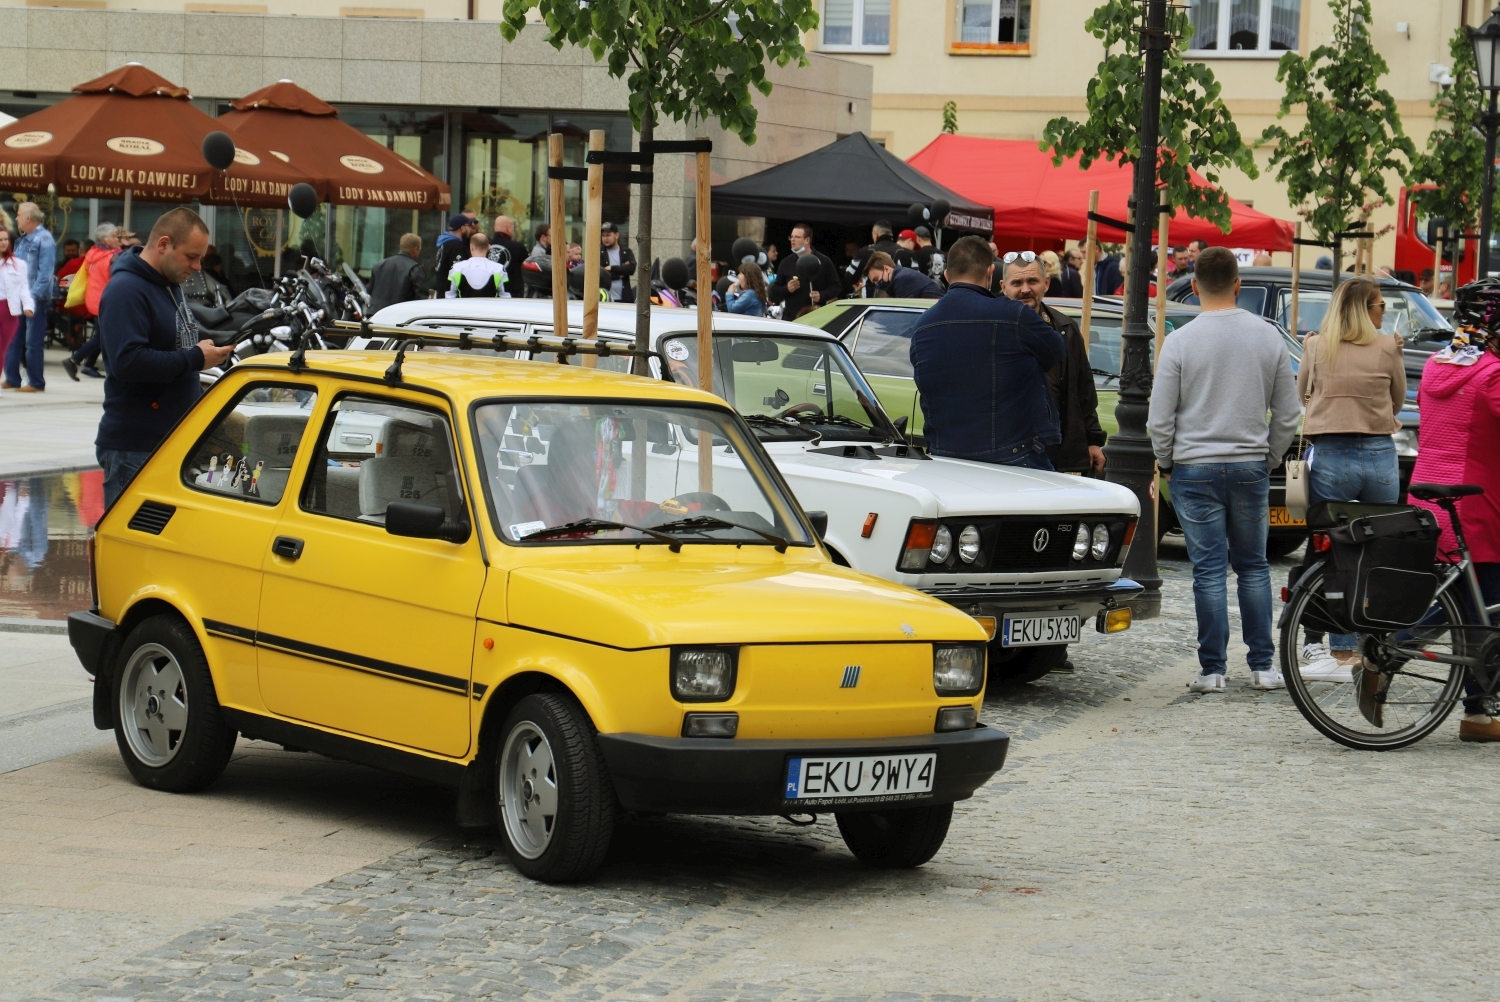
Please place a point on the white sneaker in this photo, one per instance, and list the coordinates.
(1209, 683)
(1327, 670)
(1314, 651)
(1270, 679)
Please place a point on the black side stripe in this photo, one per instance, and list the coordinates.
(341, 659)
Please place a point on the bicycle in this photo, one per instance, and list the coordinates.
(1409, 679)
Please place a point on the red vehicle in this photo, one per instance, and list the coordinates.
(1414, 253)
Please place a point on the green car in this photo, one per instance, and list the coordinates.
(878, 332)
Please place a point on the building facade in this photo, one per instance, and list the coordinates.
(436, 84)
(1011, 65)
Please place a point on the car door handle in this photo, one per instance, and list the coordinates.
(286, 546)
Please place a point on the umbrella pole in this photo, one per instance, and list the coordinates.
(1437, 268)
(279, 221)
(705, 314)
(1163, 251)
(592, 246)
(559, 242)
(1089, 260)
(1296, 280)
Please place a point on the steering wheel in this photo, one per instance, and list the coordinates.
(796, 410)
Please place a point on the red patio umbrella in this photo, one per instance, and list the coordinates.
(134, 131)
(348, 165)
(1033, 198)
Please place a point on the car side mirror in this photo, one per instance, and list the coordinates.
(422, 521)
(901, 422)
(819, 520)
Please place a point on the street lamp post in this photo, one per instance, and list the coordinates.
(1486, 42)
(1131, 460)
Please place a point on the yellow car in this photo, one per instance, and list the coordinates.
(519, 580)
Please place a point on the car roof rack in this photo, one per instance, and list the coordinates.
(467, 338)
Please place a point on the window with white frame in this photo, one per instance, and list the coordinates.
(857, 25)
(1244, 27)
(993, 26)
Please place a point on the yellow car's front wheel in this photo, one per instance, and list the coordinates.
(556, 802)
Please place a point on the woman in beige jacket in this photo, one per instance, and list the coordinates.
(1354, 384)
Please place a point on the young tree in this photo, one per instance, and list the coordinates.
(679, 58)
(950, 117)
(1336, 165)
(1454, 160)
(1197, 130)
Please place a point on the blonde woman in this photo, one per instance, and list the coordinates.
(1354, 384)
(1051, 271)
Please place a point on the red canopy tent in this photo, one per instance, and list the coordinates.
(1033, 198)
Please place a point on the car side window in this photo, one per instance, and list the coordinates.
(372, 452)
(248, 452)
(883, 346)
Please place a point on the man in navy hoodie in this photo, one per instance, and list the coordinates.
(981, 364)
(151, 346)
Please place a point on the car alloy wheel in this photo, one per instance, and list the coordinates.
(528, 790)
(154, 705)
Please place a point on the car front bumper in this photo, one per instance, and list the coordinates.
(1087, 599)
(747, 776)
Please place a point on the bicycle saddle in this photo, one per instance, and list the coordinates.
(1431, 492)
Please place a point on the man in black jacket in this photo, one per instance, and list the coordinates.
(398, 279)
(509, 252)
(1072, 381)
(790, 291)
(452, 246)
(882, 275)
(151, 346)
(616, 264)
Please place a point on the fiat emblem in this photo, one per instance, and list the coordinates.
(1040, 540)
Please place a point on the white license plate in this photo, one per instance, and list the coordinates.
(869, 777)
(1035, 631)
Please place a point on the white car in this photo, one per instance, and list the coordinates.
(1040, 553)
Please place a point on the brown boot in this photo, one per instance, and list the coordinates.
(1471, 731)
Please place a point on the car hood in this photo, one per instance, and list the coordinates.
(959, 486)
(703, 597)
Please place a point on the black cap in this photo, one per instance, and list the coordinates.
(609, 228)
(454, 222)
(924, 233)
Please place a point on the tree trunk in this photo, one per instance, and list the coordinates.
(643, 254)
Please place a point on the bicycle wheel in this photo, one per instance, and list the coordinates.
(1418, 695)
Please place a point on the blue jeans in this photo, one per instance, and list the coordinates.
(1353, 468)
(27, 345)
(120, 468)
(1033, 458)
(1223, 509)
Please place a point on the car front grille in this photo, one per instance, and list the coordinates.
(1015, 544)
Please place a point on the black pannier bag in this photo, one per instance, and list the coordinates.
(1381, 576)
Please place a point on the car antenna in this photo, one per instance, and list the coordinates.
(393, 374)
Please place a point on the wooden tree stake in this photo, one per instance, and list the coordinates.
(592, 246)
(559, 240)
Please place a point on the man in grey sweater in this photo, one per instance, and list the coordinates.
(1218, 377)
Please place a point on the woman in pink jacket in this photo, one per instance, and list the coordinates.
(1459, 401)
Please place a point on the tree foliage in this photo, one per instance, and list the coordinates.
(950, 117)
(1197, 130)
(1352, 135)
(1454, 160)
(680, 57)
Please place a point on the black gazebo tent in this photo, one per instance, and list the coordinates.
(851, 182)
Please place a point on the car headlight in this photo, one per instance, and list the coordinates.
(1081, 542)
(1101, 541)
(958, 670)
(968, 544)
(1406, 441)
(703, 674)
(942, 545)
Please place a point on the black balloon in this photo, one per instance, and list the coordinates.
(303, 199)
(916, 215)
(745, 249)
(722, 285)
(940, 209)
(674, 272)
(808, 266)
(218, 150)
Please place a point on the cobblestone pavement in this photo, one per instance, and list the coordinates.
(1142, 843)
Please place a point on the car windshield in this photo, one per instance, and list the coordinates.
(1407, 312)
(787, 387)
(605, 471)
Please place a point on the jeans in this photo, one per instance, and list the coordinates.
(1034, 458)
(1353, 468)
(27, 346)
(120, 468)
(1223, 509)
(89, 354)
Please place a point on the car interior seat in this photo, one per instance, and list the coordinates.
(412, 464)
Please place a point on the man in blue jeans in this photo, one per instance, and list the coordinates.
(39, 251)
(1218, 377)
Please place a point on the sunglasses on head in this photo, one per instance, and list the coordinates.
(1025, 257)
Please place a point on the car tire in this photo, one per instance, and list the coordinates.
(168, 724)
(1019, 665)
(1283, 546)
(554, 797)
(896, 839)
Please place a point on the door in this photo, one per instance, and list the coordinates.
(360, 630)
(882, 350)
